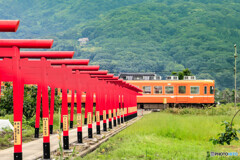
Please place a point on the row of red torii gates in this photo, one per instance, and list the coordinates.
(114, 98)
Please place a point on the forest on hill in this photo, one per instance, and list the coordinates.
(138, 35)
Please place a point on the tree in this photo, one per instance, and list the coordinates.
(29, 104)
(187, 72)
(181, 74)
(6, 105)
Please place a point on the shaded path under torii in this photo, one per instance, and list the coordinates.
(34, 149)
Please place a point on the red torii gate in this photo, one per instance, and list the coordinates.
(119, 115)
(115, 105)
(132, 105)
(78, 62)
(10, 70)
(88, 106)
(122, 102)
(79, 115)
(9, 25)
(130, 93)
(98, 96)
(71, 82)
(89, 96)
(43, 87)
(108, 103)
(64, 117)
(64, 87)
(64, 100)
(43, 72)
(116, 113)
(88, 109)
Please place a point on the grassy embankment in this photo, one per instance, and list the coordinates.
(172, 134)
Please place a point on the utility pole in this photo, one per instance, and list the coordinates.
(235, 74)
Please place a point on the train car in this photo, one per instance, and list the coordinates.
(172, 92)
(175, 93)
(158, 94)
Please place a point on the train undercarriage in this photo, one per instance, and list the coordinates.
(174, 105)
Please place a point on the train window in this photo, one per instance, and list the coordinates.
(194, 89)
(182, 89)
(211, 90)
(169, 90)
(157, 89)
(146, 89)
(205, 89)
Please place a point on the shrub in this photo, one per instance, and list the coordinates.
(227, 109)
(6, 136)
(29, 104)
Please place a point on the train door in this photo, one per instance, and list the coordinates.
(181, 93)
(205, 93)
(176, 94)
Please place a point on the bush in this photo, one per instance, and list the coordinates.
(6, 136)
(228, 136)
(227, 109)
(29, 104)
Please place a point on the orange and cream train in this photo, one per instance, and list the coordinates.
(174, 93)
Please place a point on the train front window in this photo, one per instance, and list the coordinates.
(194, 89)
(157, 89)
(205, 89)
(169, 90)
(146, 89)
(211, 90)
(182, 89)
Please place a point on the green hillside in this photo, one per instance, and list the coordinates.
(138, 35)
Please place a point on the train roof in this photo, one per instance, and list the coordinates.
(137, 74)
(170, 81)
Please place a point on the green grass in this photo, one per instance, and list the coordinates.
(167, 136)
